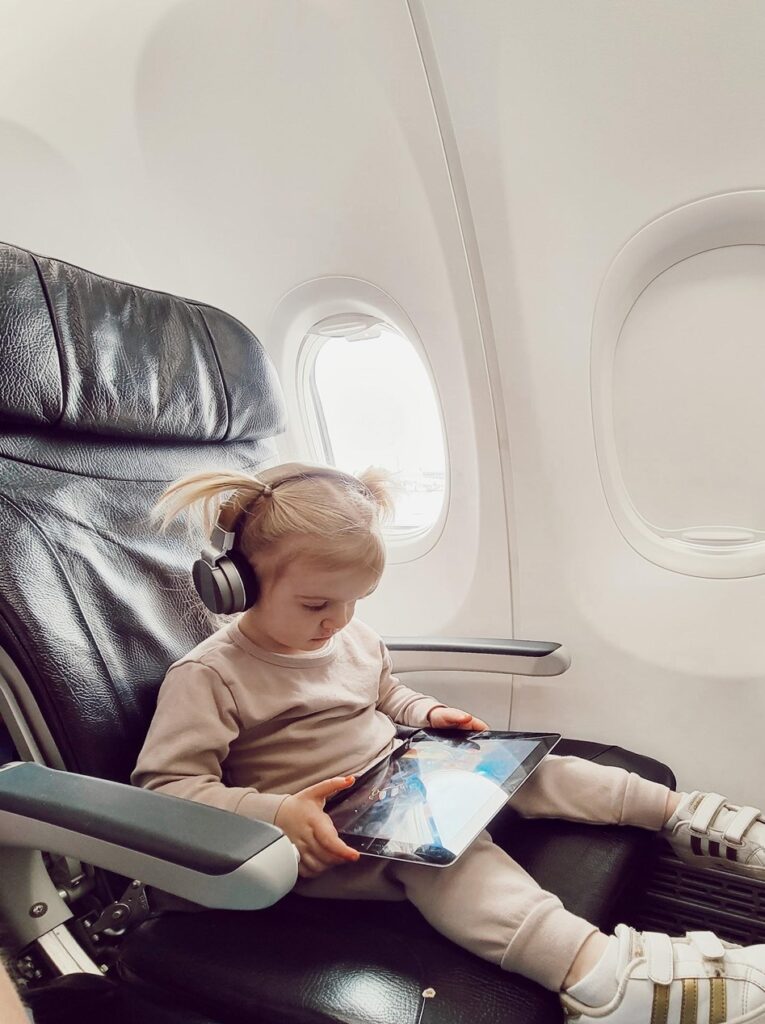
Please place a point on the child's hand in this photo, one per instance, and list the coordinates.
(301, 817)
(453, 718)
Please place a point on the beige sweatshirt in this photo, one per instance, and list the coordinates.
(241, 728)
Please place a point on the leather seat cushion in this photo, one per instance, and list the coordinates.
(359, 962)
(87, 999)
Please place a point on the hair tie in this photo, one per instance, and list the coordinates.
(267, 490)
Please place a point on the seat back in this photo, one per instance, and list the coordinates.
(107, 393)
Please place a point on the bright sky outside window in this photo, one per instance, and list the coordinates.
(378, 408)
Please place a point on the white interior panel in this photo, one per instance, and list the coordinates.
(576, 125)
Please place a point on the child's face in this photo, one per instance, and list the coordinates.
(305, 605)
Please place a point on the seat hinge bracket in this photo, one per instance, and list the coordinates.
(127, 912)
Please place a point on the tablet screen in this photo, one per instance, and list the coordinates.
(429, 799)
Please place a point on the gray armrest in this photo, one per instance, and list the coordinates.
(201, 853)
(514, 657)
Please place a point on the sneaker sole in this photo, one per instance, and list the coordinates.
(753, 1017)
(706, 862)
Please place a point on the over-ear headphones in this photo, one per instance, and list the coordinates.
(223, 577)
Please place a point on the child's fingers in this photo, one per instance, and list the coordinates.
(443, 718)
(457, 717)
(310, 866)
(326, 835)
(318, 855)
(464, 720)
(473, 724)
(315, 846)
(322, 790)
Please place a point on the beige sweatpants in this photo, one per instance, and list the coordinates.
(486, 902)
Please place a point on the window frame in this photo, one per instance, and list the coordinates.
(728, 219)
(403, 544)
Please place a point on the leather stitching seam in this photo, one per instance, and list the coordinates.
(119, 479)
(57, 338)
(226, 396)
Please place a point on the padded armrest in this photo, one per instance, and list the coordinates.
(200, 853)
(514, 657)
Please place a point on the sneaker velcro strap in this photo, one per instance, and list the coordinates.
(707, 944)
(659, 956)
(742, 820)
(706, 813)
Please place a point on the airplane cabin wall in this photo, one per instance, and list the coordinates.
(576, 126)
(477, 169)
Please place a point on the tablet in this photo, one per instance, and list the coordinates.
(429, 798)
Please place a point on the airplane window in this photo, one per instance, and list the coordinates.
(688, 411)
(374, 404)
(677, 360)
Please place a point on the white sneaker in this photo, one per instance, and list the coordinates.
(697, 979)
(707, 831)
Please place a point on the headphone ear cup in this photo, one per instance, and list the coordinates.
(247, 580)
(212, 586)
(228, 586)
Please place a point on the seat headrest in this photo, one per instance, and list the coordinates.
(108, 392)
(89, 355)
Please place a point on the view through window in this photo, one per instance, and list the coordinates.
(376, 406)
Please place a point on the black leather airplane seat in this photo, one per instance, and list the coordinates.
(107, 393)
(86, 999)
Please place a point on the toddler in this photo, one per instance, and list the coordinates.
(250, 720)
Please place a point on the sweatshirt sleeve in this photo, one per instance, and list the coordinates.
(398, 702)
(194, 725)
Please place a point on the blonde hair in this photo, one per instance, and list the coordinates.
(309, 503)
